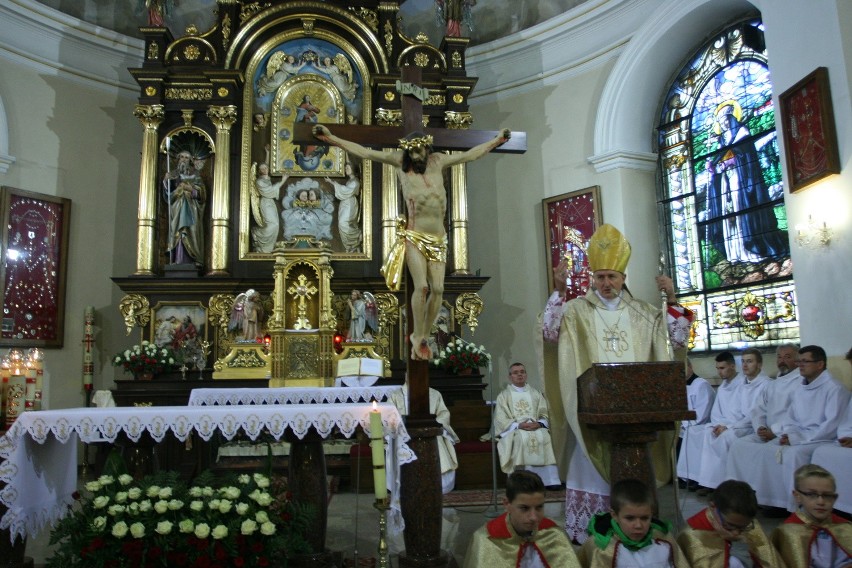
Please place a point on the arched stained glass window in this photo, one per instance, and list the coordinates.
(722, 196)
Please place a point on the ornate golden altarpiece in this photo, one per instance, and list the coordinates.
(216, 106)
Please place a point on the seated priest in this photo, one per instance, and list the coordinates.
(836, 458)
(521, 426)
(446, 451)
(816, 408)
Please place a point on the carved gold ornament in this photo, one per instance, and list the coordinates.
(468, 307)
(414, 143)
(135, 310)
(458, 120)
(150, 91)
(223, 92)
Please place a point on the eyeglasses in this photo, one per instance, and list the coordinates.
(730, 527)
(813, 495)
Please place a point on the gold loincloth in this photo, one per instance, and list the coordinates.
(432, 247)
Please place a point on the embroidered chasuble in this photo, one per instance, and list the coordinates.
(635, 331)
(704, 548)
(519, 447)
(496, 544)
(803, 543)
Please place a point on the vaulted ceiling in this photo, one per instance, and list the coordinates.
(492, 19)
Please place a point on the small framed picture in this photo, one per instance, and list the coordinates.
(810, 138)
(35, 258)
(175, 323)
(569, 221)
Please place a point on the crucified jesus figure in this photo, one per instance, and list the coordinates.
(421, 241)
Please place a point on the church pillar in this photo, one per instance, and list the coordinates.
(458, 225)
(151, 116)
(390, 206)
(223, 117)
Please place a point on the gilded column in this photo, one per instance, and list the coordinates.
(458, 224)
(151, 116)
(390, 206)
(223, 117)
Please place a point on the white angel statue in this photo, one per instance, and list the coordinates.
(339, 71)
(247, 315)
(264, 195)
(363, 316)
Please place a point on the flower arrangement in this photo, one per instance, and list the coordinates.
(147, 357)
(160, 521)
(459, 355)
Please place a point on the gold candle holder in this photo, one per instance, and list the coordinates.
(383, 505)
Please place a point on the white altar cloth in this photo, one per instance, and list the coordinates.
(289, 395)
(39, 451)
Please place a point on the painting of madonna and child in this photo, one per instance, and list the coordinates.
(305, 189)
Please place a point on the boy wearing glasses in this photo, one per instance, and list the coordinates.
(628, 535)
(813, 536)
(816, 407)
(706, 542)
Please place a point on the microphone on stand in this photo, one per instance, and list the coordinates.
(492, 511)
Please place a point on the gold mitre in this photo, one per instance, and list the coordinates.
(608, 250)
(412, 143)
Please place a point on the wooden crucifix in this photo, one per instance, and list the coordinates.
(423, 241)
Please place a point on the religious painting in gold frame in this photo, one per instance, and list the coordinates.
(569, 221)
(313, 80)
(175, 322)
(810, 138)
(35, 260)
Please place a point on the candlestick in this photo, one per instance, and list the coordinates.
(383, 505)
(377, 444)
(30, 374)
(36, 357)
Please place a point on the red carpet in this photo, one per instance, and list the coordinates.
(483, 497)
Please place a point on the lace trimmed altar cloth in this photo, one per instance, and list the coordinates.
(289, 395)
(39, 451)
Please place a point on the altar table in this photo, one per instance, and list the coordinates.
(289, 395)
(39, 451)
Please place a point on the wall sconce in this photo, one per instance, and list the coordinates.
(812, 235)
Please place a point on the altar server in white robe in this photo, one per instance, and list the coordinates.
(723, 411)
(521, 422)
(816, 409)
(699, 398)
(446, 451)
(773, 405)
(717, 442)
(837, 458)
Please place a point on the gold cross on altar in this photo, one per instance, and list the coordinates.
(302, 292)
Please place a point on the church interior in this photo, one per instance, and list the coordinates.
(161, 175)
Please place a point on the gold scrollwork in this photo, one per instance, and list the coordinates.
(458, 120)
(186, 114)
(218, 314)
(226, 31)
(135, 310)
(370, 17)
(308, 25)
(435, 100)
(388, 38)
(387, 305)
(222, 116)
(388, 117)
(153, 50)
(468, 307)
(150, 115)
(456, 59)
(189, 94)
(249, 10)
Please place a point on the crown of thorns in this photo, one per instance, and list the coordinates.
(412, 143)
